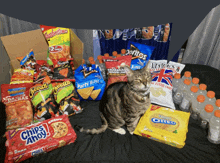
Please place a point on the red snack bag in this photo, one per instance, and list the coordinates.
(116, 74)
(43, 70)
(18, 108)
(38, 138)
(22, 76)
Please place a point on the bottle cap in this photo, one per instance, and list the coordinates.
(106, 55)
(118, 55)
(91, 59)
(217, 103)
(195, 80)
(194, 89)
(187, 74)
(209, 108)
(123, 51)
(217, 113)
(177, 76)
(211, 94)
(187, 81)
(92, 62)
(202, 87)
(200, 98)
(114, 53)
(99, 57)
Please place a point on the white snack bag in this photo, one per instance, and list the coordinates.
(176, 67)
(156, 65)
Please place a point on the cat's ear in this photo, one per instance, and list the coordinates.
(127, 69)
(147, 66)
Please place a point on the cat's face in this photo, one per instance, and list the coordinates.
(139, 80)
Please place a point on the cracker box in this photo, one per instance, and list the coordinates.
(164, 125)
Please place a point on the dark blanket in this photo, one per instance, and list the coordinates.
(112, 147)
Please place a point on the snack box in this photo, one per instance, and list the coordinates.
(38, 138)
(18, 45)
(164, 125)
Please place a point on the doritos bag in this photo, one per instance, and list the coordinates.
(140, 54)
(89, 83)
(67, 98)
(115, 73)
(41, 96)
(59, 43)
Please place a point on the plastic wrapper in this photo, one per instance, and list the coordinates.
(164, 125)
(67, 98)
(38, 138)
(22, 76)
(18, 107)
(43, 70)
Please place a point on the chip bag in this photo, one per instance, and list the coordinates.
(90, 84)
(28, 62)
(115, 72)
(67, 98)
(164, 125)
(18, 107)
(22, 76)
(43, 70)
(59, 43)
(141, 53)
(45, 107)
(157, 65)
(176, 67)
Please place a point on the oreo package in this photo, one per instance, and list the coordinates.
(140, 54)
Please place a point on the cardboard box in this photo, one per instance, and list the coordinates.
(18, 45)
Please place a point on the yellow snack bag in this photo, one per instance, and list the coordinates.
(164, 125)
(22, 76)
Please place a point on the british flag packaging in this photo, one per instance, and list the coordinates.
(161, 85)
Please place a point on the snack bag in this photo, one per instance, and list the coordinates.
(157, 65)
(140, 54)
(43, 70)
(63, 69)
(17, 105)
(41, 96)
(90, 84)
(22, 76)
(28, 62)
(161, 88)
(66, 96)
(59, 43)
(115, 73)
(164, 125)
(176, 67)
(38, 138)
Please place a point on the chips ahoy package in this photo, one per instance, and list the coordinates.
(140, 54)
(89, 83)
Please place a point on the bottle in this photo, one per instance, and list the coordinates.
(210, 98)
(102, 67)
(202, 90)
(187, 75)
(178, 96)
(123, 52)
(106, 55)
(217, 105)
(114, 54)
(197, 106)
(214, 128)
(91, 59)
(176, 82)
(195, 82)
(188, 99)
(205, 115)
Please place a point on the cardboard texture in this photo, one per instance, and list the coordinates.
(18, 45)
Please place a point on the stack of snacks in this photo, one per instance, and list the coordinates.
(164, 125)
(17, 105)
(38, 138)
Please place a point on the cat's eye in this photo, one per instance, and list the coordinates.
(138, 80)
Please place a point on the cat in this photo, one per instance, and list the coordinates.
(123, 103)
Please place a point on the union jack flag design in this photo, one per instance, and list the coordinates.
(163, 76)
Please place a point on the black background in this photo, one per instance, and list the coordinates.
(185, 15)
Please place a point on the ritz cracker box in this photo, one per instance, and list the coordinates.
(20, 44)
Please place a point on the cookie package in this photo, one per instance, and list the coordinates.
(164, 125)
(38, 138)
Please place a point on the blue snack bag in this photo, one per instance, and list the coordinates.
(140, 54)
(89, 83)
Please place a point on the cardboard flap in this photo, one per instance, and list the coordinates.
(18, 45)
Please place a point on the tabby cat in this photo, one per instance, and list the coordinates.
(123, 103)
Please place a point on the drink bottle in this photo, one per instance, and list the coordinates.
(197, 106)
(176, 82)
(214, 128)
(187, 75)
(205, 115)
(114, 54)
(202, 90)
(188, 99)
(178, 96)
(210, 98)
(106, 55)
(217, 105)
(195, 82)
(123, 52)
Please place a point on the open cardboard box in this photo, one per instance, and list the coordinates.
(18, 45)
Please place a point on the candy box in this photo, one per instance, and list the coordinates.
(38, 138)
(164, 125)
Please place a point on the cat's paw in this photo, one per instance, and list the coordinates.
(131, 133)
(120, 131)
